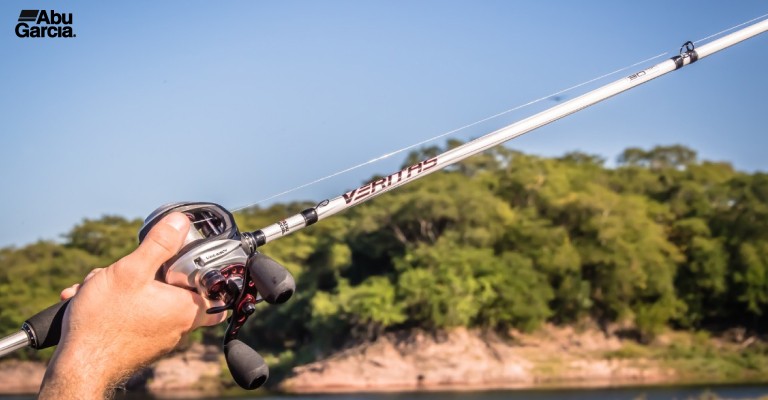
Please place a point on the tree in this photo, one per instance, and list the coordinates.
(109, 237)
(445, 285)
(660, 157)
(442, 204)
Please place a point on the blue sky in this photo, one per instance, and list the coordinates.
(233, 101)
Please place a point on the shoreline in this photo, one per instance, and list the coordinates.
(460, 360)
(31, 389)
(546, 387)
(552, 358)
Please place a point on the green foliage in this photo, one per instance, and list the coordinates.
(629, 350)
(368, 307)
(502, 240)
(660, 157)
(752, 276)
(519, 295)
(109, 237)
(425, 210)
(439, 284)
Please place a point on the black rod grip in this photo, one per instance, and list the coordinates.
(245, 364)
(44, 328)
(272, 280)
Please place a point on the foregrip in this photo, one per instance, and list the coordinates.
(44, 328)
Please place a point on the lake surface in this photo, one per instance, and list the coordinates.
(740, 392)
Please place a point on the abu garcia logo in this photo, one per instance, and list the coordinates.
(44, 23)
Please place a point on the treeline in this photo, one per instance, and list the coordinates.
(503, 240)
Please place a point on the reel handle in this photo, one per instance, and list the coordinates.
(246, 365)
(273, 281)
(264, 277)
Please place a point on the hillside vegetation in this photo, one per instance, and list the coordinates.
(503, 240)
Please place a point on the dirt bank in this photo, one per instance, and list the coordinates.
(467, 360)
(461, 359)
(19, 377)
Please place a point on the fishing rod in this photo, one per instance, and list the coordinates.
(326, 208)
(222, 263)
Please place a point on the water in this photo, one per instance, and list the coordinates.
(740, 392)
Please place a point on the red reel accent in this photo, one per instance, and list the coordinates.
(250, 296)
(233, 270)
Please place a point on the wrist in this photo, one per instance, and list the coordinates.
(74, 375)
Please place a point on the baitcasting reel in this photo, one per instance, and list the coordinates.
(221, 263)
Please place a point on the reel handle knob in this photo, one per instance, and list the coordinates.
(275, 284)
(246, 365)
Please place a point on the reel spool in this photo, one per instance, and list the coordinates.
(220, 263)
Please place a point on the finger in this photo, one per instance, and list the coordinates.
(202, 304)
(92, 273)
(205, 319)
(69, 292)
(189, 308)
(161, 243)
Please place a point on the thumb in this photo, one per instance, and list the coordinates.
(161, 243)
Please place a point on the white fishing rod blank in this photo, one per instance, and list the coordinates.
(688, 54)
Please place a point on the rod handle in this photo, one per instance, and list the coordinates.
(44, 328)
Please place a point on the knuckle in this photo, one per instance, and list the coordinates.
(93, 273)
(119, 276)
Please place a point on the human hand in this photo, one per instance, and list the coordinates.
(121, 318)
